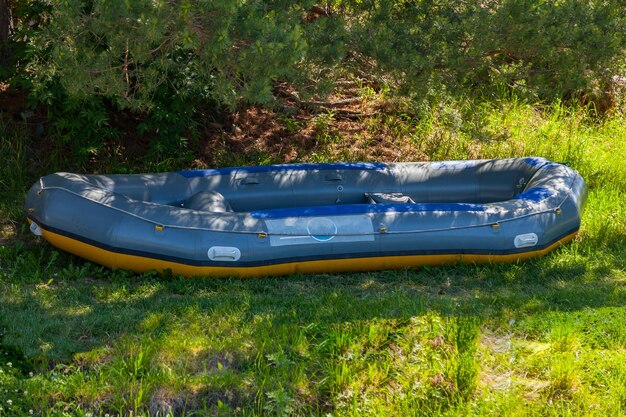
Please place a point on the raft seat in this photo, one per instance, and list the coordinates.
(208, 201)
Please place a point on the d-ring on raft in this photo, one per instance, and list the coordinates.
(305, 218)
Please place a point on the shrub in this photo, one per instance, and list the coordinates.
(165, 60)
(138, 52)
(539, 48)
(234, 52)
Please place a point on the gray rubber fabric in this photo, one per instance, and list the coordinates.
(266, 215)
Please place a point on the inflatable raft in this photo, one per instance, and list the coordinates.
(303, 218)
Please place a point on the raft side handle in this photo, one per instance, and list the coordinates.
(224, 253)
(34, 228)
(526, 240)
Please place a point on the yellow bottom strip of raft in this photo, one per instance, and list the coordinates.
(143, 264)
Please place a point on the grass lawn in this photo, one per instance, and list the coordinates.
(545, 337)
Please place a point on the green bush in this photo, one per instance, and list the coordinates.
(234, 52)
(167, 62)
(552, 49)
(542, 49)
(137, 52)
(167, 65)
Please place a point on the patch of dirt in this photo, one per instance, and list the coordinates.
(441, 382)
(440, 343)
(203, 362)
(346, 127)
(165, 402)
(254, 134)
(206, 397)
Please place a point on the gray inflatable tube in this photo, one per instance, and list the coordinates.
(283, 219)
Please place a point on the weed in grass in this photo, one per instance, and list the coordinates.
(564, 380)
(563, 337)
(34, 265)
(321, 123)
(279, 403)
(290, 124)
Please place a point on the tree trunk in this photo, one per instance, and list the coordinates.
(6, 28)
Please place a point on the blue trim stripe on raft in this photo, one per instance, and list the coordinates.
(535, 195)
(339, 210)
(352, 166)
(536, 161)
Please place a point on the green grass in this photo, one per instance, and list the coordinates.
(545, 337)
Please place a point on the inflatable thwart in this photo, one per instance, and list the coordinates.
(304, 218)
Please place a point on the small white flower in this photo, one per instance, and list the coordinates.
(30, 374)
(31, 412)
(25, 392)
(10, 364)
(10, 402)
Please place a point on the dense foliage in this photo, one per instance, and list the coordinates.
(168, 62)
(545, 49)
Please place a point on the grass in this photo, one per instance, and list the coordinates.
(545, 337)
